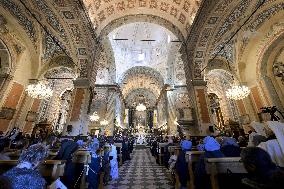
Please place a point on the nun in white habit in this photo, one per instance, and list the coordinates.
(275, 147)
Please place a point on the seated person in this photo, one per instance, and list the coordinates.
(256, 134)
(264, 174)
(124, 150)
(95, 167)
(68, 147)
(186, 145)
(242, 141)
(212, 150)
(172, 161)
(167, 153)
(25, 175)
(106, 164)
(230, 147)
(182, 169)
(181, 164)
(274, 145)
(3, 144)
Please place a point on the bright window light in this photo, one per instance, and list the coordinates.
(169, 38)
(141, 56)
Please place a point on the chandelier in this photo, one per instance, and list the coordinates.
(94, 117)
(39, 90)
(238, 92)
(104, 122)
(141, 107)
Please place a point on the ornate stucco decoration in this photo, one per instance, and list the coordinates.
(180, 13)
(278, 70)
(23, 20)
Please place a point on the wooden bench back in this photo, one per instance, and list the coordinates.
(82, 156)
(173, 148)
(230, 165)
(49, 168)
(161, 147)
(224, 165)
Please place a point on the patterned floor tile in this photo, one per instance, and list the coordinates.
(141, 172)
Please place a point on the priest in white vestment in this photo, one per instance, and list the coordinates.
(113, 162)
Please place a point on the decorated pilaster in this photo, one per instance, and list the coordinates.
(203, 114)
(79, 119)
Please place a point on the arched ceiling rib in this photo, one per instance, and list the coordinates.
(144, 96)
(141, 78)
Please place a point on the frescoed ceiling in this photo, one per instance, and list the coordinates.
(130, 48)
(179, 12)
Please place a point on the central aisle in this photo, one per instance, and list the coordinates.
(141, 171)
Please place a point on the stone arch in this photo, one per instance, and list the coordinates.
(141, 18)
(218, 63)
(6, 58)
(266, 62)
(5, 66)
(141, 77)
(148, 96)
(143, 70)
(58, 61)
(50, 109)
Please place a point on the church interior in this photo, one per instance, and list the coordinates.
(141, 94)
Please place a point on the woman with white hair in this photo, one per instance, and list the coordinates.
(25, 175)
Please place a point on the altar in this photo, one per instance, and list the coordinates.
(141, 135)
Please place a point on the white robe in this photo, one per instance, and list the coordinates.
(272, 147)
(275, 147)
(113, 163)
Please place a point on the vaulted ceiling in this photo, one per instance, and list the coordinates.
(180, 13)
(141, 44)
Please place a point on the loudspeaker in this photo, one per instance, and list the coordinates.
(69, 128)
(211, 129)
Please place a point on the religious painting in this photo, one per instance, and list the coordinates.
(7, 113)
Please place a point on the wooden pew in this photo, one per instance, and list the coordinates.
(82, 156)
(50, 168)
(192, 157)
(215, 166)
(173, 148)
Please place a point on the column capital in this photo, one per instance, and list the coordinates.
(199, 83)
(81, 83)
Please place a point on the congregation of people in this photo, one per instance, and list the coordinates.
(103, 156)
(261, 154)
